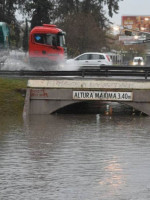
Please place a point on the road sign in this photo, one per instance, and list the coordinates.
(103, 95)
(132, 38)
(139, 23)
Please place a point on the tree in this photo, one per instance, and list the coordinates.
(85, 23)
(25, 37)
(7, 11)
(113, 6)
(66, 8)
(7, 14)
(83, 35)
(94, 7)
(39, 11)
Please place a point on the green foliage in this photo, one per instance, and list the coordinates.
(11, 100)
(113, 6)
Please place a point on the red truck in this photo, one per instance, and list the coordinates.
(47, 45)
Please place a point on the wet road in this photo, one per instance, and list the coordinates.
(75, 157)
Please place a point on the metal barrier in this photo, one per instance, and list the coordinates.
(103, 71)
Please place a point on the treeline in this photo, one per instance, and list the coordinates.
(85, 21)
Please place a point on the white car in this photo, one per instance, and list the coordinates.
(91, 60)
(138, 61)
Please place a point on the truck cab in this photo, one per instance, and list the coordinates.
(47, 45)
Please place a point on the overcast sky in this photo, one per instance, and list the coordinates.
(131, 7)
(128, 7)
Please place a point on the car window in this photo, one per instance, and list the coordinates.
(97, 57)
(101, 57)
(94, 57)
(83, 57)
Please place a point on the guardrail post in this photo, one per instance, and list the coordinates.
(146, 74)
(83, 73)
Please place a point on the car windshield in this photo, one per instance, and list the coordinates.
(137, 60)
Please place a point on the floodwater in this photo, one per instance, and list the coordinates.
(75, 157)
(18, 60)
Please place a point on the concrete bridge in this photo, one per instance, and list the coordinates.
(48, 96)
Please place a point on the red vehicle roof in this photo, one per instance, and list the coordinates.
(46, 28)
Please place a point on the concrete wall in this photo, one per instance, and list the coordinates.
(48, 96)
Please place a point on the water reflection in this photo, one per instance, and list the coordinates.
(75, 157)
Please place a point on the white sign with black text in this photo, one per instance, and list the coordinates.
(103, 95)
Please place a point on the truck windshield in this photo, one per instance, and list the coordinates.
(50, 39)
(62, 42)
